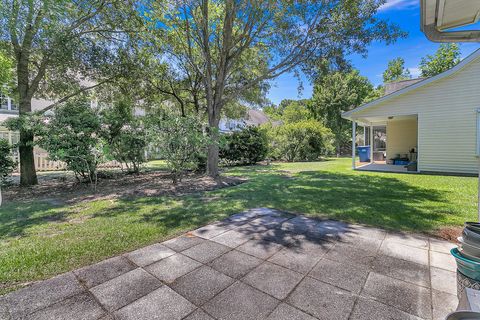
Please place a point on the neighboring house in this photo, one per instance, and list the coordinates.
(9, 109)
(438, 119)
(252, 118)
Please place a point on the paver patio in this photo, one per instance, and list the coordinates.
(260, 264)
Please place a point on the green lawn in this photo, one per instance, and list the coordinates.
(38, 239)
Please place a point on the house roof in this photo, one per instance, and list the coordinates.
(398, 85)
(256, 117)
(350, 114)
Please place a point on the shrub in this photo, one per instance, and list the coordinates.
(129, 146)
(7, 165)
(306, 140)
(70, 135)
(180, 141)
(247, 146)
(124, 135)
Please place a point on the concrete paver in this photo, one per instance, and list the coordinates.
(258, 264)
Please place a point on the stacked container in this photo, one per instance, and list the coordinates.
(467, 256)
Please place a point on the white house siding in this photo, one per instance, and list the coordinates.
(447, 113)
(401, 136)
(39, 104)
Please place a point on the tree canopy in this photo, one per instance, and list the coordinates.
(6, 72)
(237, 46)
(336, 93)
(446, 57)
(61, 49)
(289, 110)
(396, 71)
(202, 56)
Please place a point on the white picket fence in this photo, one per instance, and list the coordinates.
(42, 163)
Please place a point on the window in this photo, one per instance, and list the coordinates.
(13, 105)
(15, 137)
(3, 102)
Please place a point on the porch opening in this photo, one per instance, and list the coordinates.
(392, 144)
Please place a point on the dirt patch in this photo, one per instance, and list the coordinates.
(449, 233)
(58, 189)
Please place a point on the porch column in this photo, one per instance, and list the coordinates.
(354, 130)
(372, 142)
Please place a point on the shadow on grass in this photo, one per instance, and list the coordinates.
(375, 200)
(113, 227)
(16, 217)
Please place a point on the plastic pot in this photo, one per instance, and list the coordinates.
(468, 267)
(463, 315)
(469, 248)
(466, 255)
(474, 226)
(471, 236)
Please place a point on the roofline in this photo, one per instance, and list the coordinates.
(433, 33)
(473, 56)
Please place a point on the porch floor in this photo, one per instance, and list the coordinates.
(382, 167)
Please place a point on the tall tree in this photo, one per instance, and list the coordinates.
(446, 57)
(295, 111)
(396, 71)
(334, 94)
(61, 49)
(238, 45)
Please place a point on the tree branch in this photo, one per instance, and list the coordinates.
(13, 27)
(81, 90)
(39, 76)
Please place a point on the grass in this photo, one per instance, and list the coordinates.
(157, 165)
(40, 239)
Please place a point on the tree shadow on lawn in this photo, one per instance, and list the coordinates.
(380, 201)
(384, 202)
(16, 217)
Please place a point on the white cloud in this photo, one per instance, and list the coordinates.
(398, 5)
(415, 72)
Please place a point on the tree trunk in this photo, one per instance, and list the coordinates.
(213, 158)
(213, 149)
(28, 175)
(215, 89)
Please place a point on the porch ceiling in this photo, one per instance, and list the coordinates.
(381, 120)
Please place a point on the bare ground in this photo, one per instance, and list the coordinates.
(61, 187)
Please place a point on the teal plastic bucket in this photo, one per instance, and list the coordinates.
(467, 267)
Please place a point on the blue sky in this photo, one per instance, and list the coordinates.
(405, 13)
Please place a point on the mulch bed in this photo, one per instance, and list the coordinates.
(63, 188)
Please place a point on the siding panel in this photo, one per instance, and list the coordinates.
(447, 116)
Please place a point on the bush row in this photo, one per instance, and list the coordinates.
(83, 137)
(306, 140)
